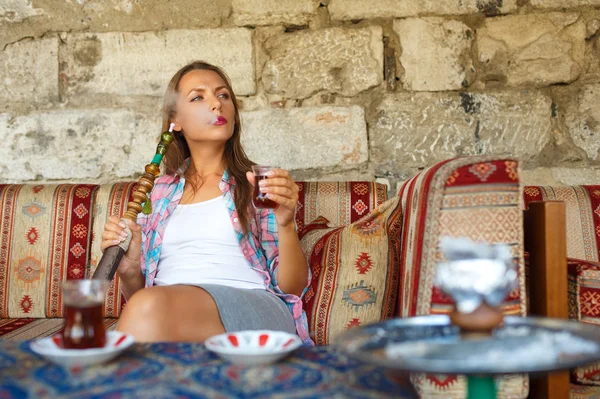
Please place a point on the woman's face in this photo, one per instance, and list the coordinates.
(205, 110)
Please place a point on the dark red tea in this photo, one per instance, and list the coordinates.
(84, 327)
(259, 199)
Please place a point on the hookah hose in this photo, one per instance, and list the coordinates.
(141, 202)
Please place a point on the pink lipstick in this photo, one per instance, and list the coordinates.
(220, 121)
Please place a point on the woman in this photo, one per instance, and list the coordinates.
(205, 261)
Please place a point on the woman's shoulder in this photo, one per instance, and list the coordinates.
(164, 184)
(167, 179)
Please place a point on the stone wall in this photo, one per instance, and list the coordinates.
(331, 89)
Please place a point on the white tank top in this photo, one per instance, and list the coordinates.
(200, 247)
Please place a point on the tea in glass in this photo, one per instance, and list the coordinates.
(84, 324)
(259, 199)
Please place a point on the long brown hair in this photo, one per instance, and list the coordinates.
(236, 160)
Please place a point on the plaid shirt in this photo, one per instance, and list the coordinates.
(259, 246)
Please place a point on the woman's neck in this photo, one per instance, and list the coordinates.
(207, 160)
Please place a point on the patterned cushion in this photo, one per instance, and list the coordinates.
(111, 199)
(584, 290)
(45, 240)
(584, 305)
(355, 272)
(584, 392)
(341, 203)
(26, 329)
(474, 197)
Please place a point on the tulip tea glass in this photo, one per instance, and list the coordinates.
(259, 199)
(84, 325)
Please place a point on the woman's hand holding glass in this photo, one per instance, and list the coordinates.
(281, 189)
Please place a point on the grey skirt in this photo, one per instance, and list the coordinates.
(242, 309)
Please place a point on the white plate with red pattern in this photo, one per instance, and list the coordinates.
(253, 347)
(51, 349)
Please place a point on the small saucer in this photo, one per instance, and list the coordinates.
(253, 347)
(49, 348)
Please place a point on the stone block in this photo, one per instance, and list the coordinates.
(563, 4)
(359, 9)
(273, 12)
(561, 176)
(336, 60)
(582, 117)
(117, 15)
(538, 177)
(435, 54)
(576, 176)
(304, 138)
(17, 10)
(29, 71)
(106, 16)
(149, 15)
(143, 63)
(78, 145)
(532, 49)
(420, 129)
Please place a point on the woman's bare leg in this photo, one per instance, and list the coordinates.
(171, 313)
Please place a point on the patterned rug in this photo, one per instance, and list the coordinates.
(184, 370)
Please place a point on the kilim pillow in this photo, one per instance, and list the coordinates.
(342, 202)
(474, 197)
(354, 271)
(45, 240)
(584, 295)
